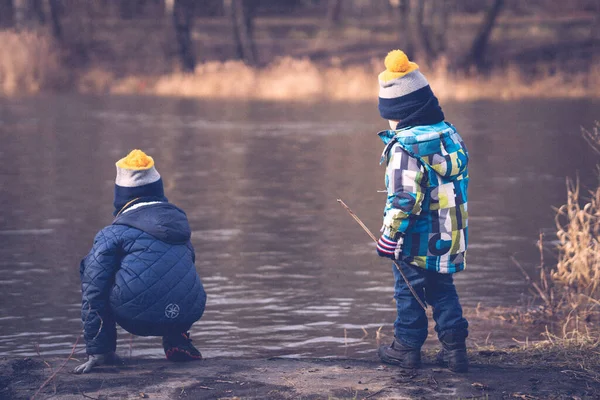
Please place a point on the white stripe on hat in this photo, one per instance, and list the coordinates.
(135, 178)
(402, 86)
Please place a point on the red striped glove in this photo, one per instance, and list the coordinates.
(387, 247)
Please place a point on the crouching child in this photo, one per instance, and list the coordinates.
(140, 272)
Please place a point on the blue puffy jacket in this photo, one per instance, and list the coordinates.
(140, 274)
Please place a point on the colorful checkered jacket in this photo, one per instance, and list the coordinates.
(426, 208)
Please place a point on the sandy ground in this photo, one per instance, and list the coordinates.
(280, 378)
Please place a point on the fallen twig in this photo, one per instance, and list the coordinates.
(57, 370)
(37, 349)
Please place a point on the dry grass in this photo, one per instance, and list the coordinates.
(284, 79)
(576, 354)
(300, 79)
(577, 271)
(578, 229)
(28, 62)
(570, 289)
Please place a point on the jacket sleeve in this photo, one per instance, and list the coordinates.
(97, 272)
(404, 178)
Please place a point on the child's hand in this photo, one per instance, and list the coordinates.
(387, 247)
(93, 361)
(97, 359)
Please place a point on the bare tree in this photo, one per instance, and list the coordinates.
(242, 14)
(129, 9)
(56, 9)
(439, 15)
(183, 12)
(419, 37)
(400, 13)
(37, 11)
(7, 14)
(424, 27)
(21, 13)
(476, 55)
(334, 12)
(595, 32)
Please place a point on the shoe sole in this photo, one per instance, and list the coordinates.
(180, 356)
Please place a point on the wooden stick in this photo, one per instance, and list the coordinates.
(412, 290)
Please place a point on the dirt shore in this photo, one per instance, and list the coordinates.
(490, 377)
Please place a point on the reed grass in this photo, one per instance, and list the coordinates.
(574, 352)
(303, 80)
(570, 288)
(578, 229)
(577, 271)
(29, 62)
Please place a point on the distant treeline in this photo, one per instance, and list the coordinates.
(425, 29)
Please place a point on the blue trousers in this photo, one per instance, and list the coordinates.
(435, 289)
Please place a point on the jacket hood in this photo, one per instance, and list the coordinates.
(164, 221)
(439, 146)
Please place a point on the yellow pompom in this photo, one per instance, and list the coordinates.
(136, 160)
(397, 61)
(397, 65)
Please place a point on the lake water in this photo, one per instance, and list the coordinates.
(287, 270)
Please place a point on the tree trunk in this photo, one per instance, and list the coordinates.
(418, 33)
(476, 55)
(242, 18)
(334, 12)
(37, 11)
(440, 13)
(129, 9)
(55, 12)
(400, 11)
(183, 11)
(595, 31)
(7, 14)
(20, 13)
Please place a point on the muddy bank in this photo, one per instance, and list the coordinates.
(492, 376)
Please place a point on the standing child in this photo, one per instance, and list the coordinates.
(140, 272)
(425, 218)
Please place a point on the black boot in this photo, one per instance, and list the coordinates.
(179, 348)
(400, 354)
(454, 352)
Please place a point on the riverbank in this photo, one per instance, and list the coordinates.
(512, 373)
(298, 60)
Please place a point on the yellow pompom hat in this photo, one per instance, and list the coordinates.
(137, 169)
(137, 178)
(404, 92)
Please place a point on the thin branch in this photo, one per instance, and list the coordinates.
(57, 370)
(530, 281)
(37, 349)
(99, 329)
(68, 358)
(412, 290)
